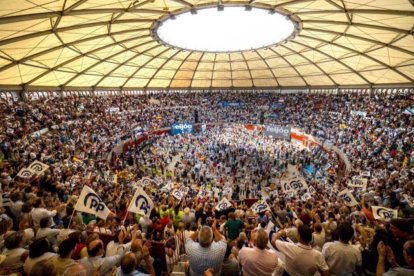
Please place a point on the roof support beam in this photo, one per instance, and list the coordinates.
(179, 67)
(107, 58)
(362, 25)
(71, 28)
(46, 15)
(362, 54)
(81, 56)
(248, 69)
(160, 67)
(313, 63)
(293, 67)
(335, 59)
(195, 69)
(128, 60)
(359, 11)
(183, 2)
(5, 67)
(362, 38)
(268, 66)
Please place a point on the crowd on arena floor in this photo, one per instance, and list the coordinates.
(41, 231)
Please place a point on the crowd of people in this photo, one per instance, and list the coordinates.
(42, 233)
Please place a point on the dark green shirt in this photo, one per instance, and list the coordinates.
(233, 228)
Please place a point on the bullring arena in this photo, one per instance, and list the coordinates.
(184, 137)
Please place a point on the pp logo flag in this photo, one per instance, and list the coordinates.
(259, 207)
(298, 184)
(306, 197)
(141, 203)
(184, 189)
(382, 213)
(38, 167)
(145, 181)
(177, 194)
(89, 202)
(348, 198)
(311, 190)
(224, 204)
(25, 173)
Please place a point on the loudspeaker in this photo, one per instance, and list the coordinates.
(196, 116)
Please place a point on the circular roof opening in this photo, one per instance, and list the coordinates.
(226, 29)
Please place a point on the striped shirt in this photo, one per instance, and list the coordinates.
(202, 258)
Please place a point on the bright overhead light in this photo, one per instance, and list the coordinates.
(232, 29)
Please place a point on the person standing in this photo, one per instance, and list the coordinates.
(206, 253)
(341, 256)
(258, 260)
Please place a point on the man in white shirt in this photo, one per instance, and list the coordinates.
(38, 212)
(342, 257)
(301, 259)
(46, 232)
(16, 204)
(206, 253)
(258, 260)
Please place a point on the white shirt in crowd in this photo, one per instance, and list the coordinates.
(256, 262)
(49, 233)
(39, 213)
(342, 259)
(301, 260)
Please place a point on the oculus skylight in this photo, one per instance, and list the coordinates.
(228, 29)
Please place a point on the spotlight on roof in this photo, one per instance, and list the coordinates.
(193, 11)
(248, 8)
(172, 16)
(220, 8)
(272, 11)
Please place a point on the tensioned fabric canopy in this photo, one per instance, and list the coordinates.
(110, 43)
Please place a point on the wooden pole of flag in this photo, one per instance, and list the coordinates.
(71, 217)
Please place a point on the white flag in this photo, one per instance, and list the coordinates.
(141, 203)
(286, 187)
(348, 198)
(25, 173)
(365, 173)
(259, 207)
(38, 167)
(409, 200)
(184, 189)
(359, 183)
(177, 194)
(298, 183)
(146, 181)
(224, 204)
(158, 180)
(311, 190)
(89, 202)
(383, 213)
(4, 199)
(306, 197)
